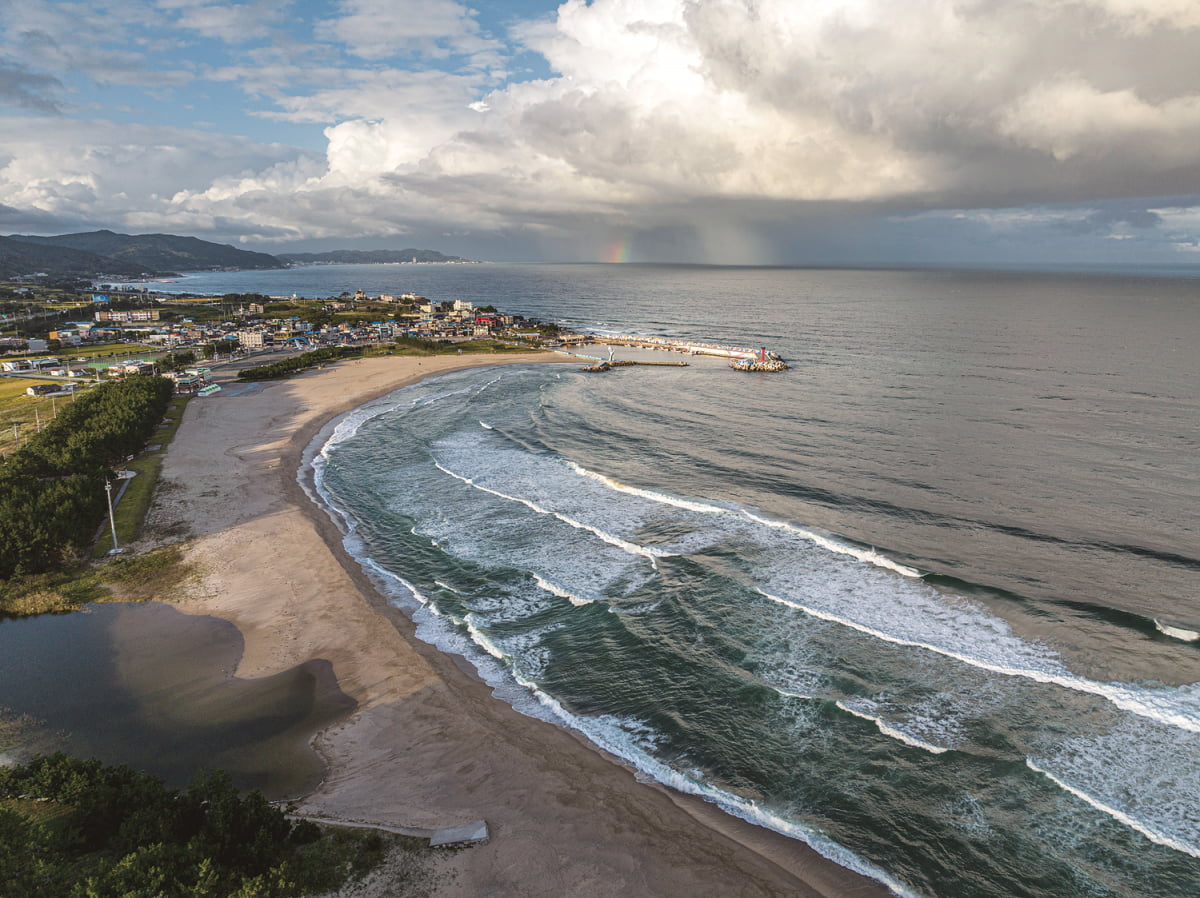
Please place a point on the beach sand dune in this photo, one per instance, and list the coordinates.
(429, 746)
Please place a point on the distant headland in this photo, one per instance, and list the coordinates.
(374, 257)
(99, 254)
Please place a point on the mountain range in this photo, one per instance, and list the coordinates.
(18, 258)
(108, 254)
(105, 253)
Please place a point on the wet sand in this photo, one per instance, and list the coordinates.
(428, 745)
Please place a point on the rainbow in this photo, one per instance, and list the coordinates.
(619, 250)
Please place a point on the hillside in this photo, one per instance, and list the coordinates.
(156, 252)
(21, 258)
(369, 257)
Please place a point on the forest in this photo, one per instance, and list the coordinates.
(72, 828)
(52, 495)
(297, 363)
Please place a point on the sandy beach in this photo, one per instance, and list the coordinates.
(428, 745)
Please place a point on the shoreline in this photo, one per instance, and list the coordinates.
(429, 745)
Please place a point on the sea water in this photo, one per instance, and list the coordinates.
(929, 602)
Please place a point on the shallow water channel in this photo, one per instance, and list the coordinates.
(148, 686)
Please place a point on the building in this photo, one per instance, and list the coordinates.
(128, 316)
(254, 339)
(133, 366)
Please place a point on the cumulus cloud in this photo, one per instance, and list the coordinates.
(651, 113)
(234, 23)
(108, 172)
(379, 29)
(934, 102)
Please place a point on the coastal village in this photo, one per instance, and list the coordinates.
(193, 503)
(238, 325)
(160, 326)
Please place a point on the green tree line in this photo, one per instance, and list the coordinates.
(52, 490)
(71, 828)
(297, 363)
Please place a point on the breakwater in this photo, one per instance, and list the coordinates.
(692, 347)
(741, 358)
(605, 365)
(761, 364)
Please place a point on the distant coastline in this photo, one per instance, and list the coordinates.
(409, 256)
(409, 262)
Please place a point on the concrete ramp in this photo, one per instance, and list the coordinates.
(460, 835)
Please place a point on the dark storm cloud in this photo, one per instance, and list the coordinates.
(26, 89)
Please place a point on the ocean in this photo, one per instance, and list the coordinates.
(929, 602)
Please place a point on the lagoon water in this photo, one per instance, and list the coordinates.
(148, 686)
(929, 602)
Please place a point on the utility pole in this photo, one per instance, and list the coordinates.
(111, 520)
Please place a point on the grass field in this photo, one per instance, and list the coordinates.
(88, 352)
(100, 349)
(23, 411)
(130, 512)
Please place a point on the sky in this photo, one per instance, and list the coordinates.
(724, 131)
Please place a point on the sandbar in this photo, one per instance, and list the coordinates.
(429, 746)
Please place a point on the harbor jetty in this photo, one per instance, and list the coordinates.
(607, 365)
(741, 358)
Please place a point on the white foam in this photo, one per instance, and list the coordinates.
(650, 552)
(1149, 832)
(871, 556)
(1177, 632)
(482, 640)
(788, 693)
(661, 498)
(888, 730)
(561, 593)
(495, 380)
(608, 734)
(492, 531)
(403, 400)
(486, 426)
(347, 427)
(1159, 705)
(388, 580)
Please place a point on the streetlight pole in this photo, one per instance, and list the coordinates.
(111, 520)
